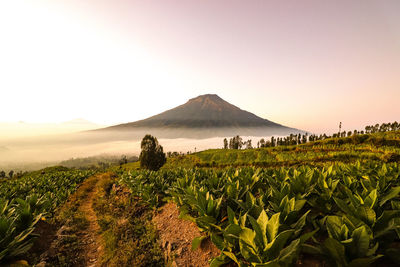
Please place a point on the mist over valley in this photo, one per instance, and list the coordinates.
(201, 123)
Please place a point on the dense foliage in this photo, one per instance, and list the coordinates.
(24, 201)
(344, 214)
(152, 156)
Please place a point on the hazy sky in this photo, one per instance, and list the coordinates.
(305, 64)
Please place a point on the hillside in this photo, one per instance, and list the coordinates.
(203, 111)
(376, 147)
(204, 116)
(121, 218)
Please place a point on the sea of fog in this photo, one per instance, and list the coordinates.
(34, 151)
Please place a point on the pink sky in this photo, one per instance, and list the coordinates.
(305, 64)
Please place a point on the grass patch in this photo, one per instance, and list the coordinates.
(130, 238)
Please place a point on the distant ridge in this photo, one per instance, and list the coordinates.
(203, 117)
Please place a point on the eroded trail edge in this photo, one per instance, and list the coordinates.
(78, 241)
(176, 239)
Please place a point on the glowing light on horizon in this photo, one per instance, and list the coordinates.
(306, 65)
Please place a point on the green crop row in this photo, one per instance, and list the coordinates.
(383, 146)
(342, 215)
(24, 201)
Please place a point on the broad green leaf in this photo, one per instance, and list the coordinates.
(231, 256)
(288, 253)
(306, 236)
(383, 221)
(362, 262)
(249, 252)
(300, 222)
(394, 192)
(310, 249)
(196, 243)
(231, 216)
(334, 227)
(367, 215)
(232, 230)
(273, 249)
(242, 220)
(262, 221)
(299, 204)
(273, 226)
(248, 236)
(372, 250)
(221, 260)
(218, 241)
(360, 244)
(335, 250)
(343, 205)
(260, 237)
(370, 200)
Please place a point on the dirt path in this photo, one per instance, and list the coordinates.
(78, 241)
(176, 239)
(91, 238)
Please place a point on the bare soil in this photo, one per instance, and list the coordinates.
(176, 237)
(77, 241)
(91, 238)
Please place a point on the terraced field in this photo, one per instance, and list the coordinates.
(368, 147)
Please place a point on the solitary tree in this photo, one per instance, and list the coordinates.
(262, 142)
(11, 174)
(273, 141)
(225, 143)
(152, 156)
(237, 142)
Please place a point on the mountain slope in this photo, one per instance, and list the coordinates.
(204, 116)
(202, 112)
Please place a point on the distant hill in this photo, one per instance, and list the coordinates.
(203, 117)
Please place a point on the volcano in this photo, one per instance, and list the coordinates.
(204, 116)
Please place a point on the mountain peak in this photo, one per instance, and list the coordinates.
(210, 102)
(204, 116)
(204, 111)
(214, 97)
